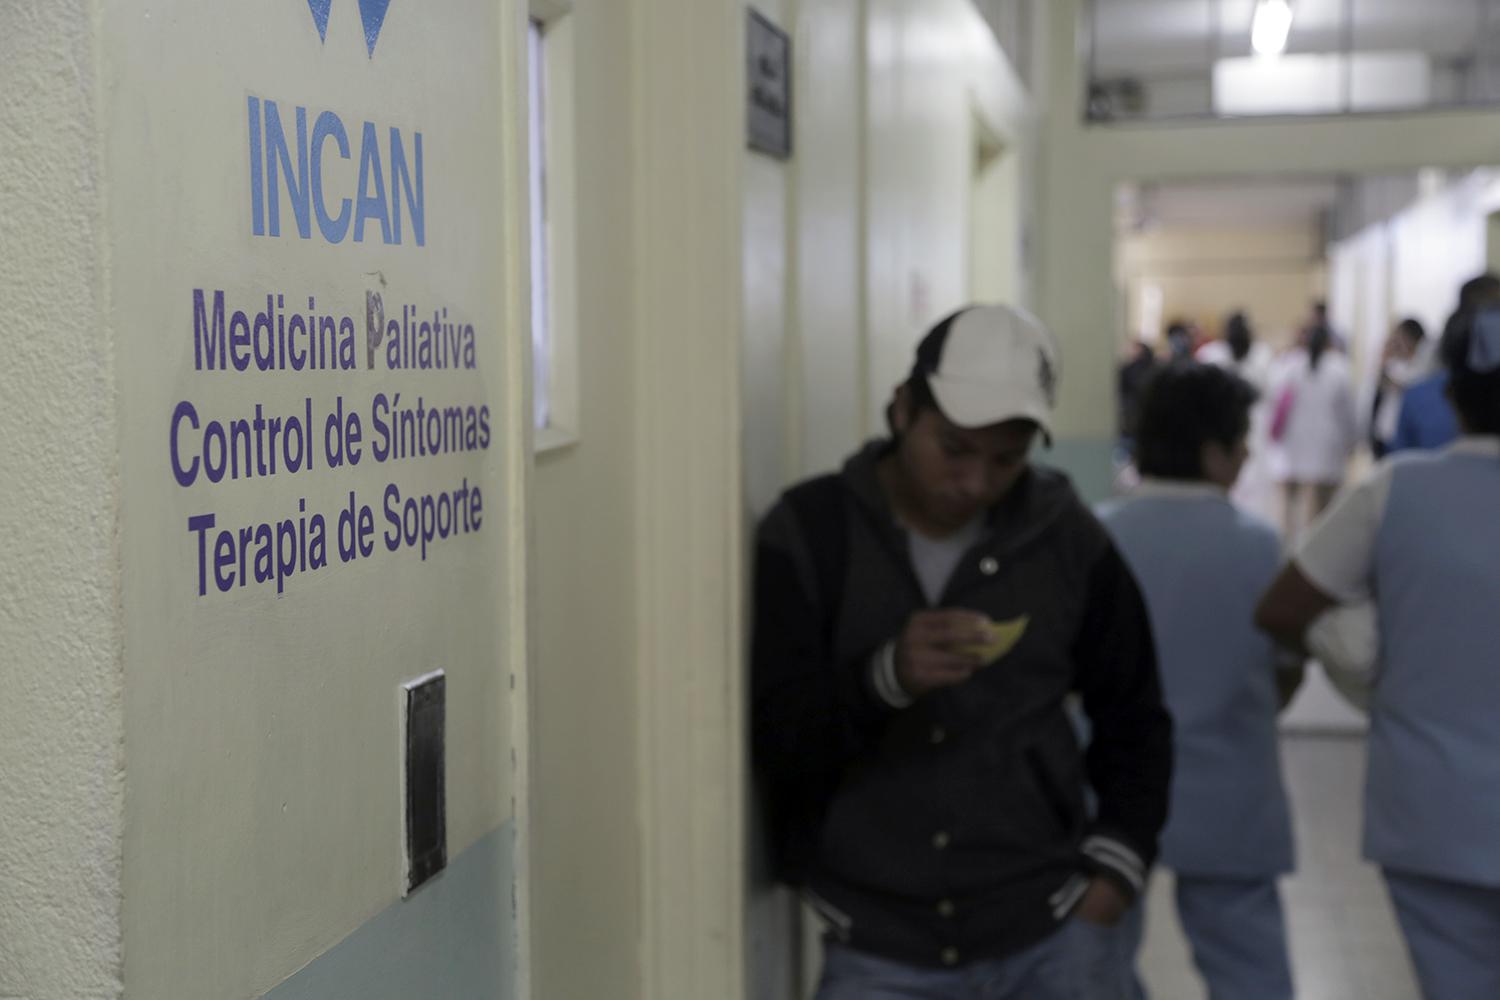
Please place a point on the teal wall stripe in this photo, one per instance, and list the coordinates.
(1088, 462)
(452, 939)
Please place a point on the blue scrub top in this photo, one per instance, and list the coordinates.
(1426, 419)
(1433, 789)
(1203, 564)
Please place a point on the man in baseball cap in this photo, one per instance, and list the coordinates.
(920, 618)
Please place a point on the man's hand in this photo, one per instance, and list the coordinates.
(930, 652)
(1104, 904)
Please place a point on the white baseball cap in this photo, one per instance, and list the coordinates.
(987, 364)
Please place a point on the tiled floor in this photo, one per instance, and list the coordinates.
(1345, 945)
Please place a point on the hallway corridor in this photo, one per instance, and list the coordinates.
(1345, 945)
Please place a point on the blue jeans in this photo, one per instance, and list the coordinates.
(1080, 961)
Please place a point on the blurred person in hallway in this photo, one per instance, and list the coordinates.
(1134, 372)
(1202, 564)
(1313, 427)
(920, 619)
(1317, 317)
(1417, 541)
(1241, 352)
(1426, 419)
(1182, 340)
(1402, 363)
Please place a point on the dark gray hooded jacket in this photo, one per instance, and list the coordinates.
(959, 827)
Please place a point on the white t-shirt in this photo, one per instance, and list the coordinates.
(1338, 556)
(1338, 552)
(934, 560)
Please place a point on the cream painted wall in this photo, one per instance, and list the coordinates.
(263, 816)
(1273, 274)
(995, 213)
(587, 787)
(688, 124)
(771, 407)
(242, 787)
(1081, 166)
(61, 728)
(638, 889)
(827, 250)
(771, 444)
(931, 69)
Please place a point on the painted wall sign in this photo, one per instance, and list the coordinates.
(768, 79)
(307, 204)
(340, 377)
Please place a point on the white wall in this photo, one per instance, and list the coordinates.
(61, 728)
(1411, 263)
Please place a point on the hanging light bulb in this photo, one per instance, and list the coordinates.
(1270, 27)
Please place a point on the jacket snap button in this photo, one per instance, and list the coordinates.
(940, 839)
(945, 908)
(950, 956)
(939, 734)
(989, 565)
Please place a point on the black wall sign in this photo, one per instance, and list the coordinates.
(426, 778)
(769, 83)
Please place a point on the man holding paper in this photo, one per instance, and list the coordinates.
(920, 620)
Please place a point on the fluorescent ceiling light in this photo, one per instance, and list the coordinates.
(1272, 23)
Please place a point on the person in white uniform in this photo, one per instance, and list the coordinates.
(1316, 430)
(1252, 360)
(1419, 538)
(1202, 564)
(1402, 363)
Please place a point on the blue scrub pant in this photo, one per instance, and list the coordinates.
(1452, 930)
(1080, 961)
(1237, 934)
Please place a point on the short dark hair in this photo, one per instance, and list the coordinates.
(1239, 336)
(1412, 327)
(1185, 406)
(1319, 340)
(929, 351)
(919, 397)
(1478, 291)
(1476, 394)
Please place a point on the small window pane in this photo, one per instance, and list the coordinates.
(541, 324)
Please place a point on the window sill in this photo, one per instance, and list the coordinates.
(551, 439)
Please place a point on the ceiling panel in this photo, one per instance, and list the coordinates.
(1165, 37)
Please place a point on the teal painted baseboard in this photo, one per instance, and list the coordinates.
(1088, 462)
(452, 939)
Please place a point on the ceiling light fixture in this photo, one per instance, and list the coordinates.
(1269, 29)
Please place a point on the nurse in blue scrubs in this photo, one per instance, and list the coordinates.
(1421, 538)
(1202, 564)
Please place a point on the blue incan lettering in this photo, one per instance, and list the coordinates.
(279, 165)
(272, 164)
(328, 126)
(257, 191)
(371, 204)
